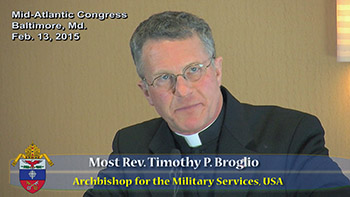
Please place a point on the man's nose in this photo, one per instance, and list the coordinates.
(182, 87)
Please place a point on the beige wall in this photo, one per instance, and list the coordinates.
(71, 97)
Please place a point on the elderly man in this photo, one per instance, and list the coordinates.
(174, 53)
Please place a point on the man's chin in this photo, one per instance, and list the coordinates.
(188, 128)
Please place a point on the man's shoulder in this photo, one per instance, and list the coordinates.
(278, 119)
(136, 138)
(263, 113)
(292, 128)
(272, 113)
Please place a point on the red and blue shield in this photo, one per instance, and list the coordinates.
(32, 174)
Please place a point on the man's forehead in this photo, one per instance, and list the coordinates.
(175, 50)
(160, 56)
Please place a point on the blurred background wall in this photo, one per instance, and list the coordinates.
(70, 97)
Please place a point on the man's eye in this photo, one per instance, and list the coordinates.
(194, 69)
(164, 77)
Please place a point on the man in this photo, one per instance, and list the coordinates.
(175, 57)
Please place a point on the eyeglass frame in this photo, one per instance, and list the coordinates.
(181, 74)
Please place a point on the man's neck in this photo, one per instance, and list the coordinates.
(193, 140)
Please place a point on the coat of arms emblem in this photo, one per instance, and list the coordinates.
(32, 168)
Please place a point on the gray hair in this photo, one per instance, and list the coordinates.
(169, 26)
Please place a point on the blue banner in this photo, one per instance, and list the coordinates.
(188, 172)
(32, 174)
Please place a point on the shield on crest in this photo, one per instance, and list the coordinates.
(32, 174)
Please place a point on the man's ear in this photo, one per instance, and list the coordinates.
(145, 91)
(218, 70)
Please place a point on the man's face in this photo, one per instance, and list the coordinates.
(190, 106)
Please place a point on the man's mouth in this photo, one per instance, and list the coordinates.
(188, 107)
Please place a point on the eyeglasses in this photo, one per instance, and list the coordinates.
(192, 72)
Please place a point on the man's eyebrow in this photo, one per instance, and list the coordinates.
(160, 72)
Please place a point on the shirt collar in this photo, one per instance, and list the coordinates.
(205, 135)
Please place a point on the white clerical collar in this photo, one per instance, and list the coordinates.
(194, 140)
